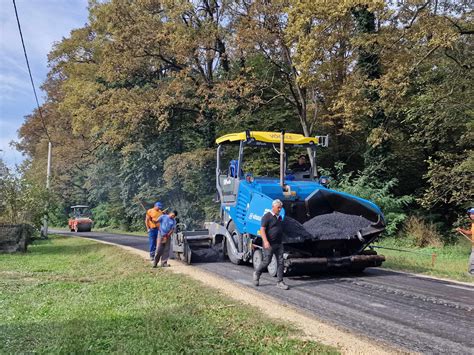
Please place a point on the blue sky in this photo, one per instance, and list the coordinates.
(43, 23)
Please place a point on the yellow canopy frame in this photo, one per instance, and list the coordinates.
(269, 137)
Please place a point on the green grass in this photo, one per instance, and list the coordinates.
(69, 295)
(451, 260)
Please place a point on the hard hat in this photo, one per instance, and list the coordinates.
(470, 211)
(159, 205)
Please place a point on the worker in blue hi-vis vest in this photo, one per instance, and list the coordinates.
(167, 227)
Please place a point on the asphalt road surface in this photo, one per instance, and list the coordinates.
(413, 313)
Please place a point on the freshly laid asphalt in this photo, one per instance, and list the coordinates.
(407, 311)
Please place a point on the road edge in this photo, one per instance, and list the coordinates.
(430, 277)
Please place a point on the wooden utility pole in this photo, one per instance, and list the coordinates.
(48, 177)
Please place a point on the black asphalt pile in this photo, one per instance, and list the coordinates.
(294, 231)
(207, 255)
(335, 225)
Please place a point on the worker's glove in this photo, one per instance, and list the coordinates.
(165, 238)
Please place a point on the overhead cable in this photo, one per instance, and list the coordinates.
(31, 76)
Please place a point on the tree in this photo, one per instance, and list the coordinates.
(22, 201)
(136, 98)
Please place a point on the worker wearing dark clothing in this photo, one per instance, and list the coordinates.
(271, 231)
(273, 227)
(301, 165)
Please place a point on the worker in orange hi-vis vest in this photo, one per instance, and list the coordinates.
(152, 225)
(470, 232)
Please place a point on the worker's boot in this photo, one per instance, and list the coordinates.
(256, 279)
(282, 285)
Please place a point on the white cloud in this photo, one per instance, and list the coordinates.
(9, 154)
(11, 84)
(43, 22)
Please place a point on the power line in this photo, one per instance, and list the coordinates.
(29, 71)
(44, 230)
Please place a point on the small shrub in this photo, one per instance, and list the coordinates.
(422, 234)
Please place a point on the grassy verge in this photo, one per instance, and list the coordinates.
(71, 295)
(451, 261)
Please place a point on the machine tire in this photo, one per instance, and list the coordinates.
(272, 267)
(179, 256)
(233, 258)
(257, 258)
(239, 243)
(188, 254)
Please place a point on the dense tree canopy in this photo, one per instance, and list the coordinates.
(136, 98)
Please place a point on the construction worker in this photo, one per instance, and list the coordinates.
(470, 232)
(152, 225)
(167, 227)
(271, 231)
(300, 165)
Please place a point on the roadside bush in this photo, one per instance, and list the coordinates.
(107, 215)
(22, 201)
(421, 233)
(58, 216)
